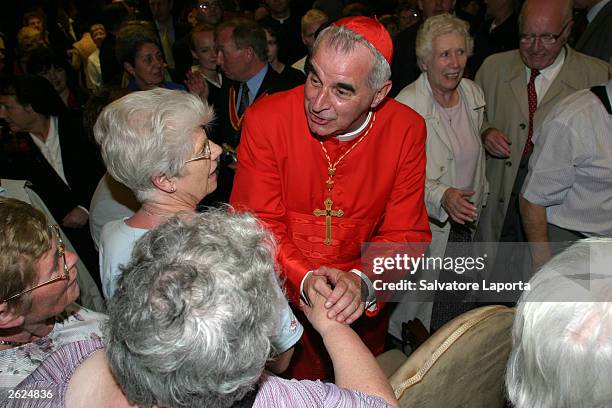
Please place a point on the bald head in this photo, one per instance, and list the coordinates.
(544, 27)
(560, 10)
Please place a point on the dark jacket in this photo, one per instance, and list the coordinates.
(225, 131)
(21, 159)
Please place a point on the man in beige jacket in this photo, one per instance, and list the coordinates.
(521, 87)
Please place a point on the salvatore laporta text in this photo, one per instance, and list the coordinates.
(435, 285)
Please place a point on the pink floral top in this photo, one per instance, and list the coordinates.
(75, 324)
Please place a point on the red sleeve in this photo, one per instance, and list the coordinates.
(405, 219)
(258, 188)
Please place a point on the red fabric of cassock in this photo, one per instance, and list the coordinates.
(379, 185)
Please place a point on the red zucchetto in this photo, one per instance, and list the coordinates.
(370, 29)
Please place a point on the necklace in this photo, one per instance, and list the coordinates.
(13, 343)
(328, 213)
(331, 167)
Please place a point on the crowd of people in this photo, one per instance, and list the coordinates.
(216, 167)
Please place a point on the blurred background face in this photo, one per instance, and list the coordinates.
(209, 12)
(407, 18)
(29, 38)
(16, 115)
(272, 47)
(278, 6)
(537, 21)
(309, 35)
(204, 52)
(447, 62)
(36, 23)
(160, 9)
(57, 77)
(98, 34)
(435, 7)
(230, 59)
(148, 69)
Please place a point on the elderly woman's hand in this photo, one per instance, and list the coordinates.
(316, 313)
(496, 143)
(456, 204)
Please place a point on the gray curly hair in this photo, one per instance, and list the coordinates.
(191, 320)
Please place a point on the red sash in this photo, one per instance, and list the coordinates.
(236, 120)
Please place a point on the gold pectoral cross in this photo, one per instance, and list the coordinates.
(328, 213)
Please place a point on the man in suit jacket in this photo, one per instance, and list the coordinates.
(596, 40)
(558, 71)
(170, 32)
(48, 147)
(242, 58)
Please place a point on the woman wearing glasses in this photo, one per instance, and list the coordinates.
(215, 276)
(154, 142)
(37, 309)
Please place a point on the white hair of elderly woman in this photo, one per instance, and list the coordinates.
(562, 334)
(436, 26)
(149, 133)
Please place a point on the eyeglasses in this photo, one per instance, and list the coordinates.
(205, 153)
(61, 253)
(547, 39)
(208, 5)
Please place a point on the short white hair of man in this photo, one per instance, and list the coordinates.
(344, 41)
(562, 334)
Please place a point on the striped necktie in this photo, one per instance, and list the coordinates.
(244, 99)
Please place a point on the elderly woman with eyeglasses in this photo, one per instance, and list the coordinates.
(155, 143)
(37, 310)
(191, 325)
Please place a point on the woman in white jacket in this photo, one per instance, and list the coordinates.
(453, 108)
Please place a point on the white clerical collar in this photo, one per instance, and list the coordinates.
(351, 135)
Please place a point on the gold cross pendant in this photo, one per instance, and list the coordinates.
(328, 213)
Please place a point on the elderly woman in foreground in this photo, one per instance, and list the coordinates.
(37, 310)
(154, 142)
(453, 108)
(190, 326)
(562, 334)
